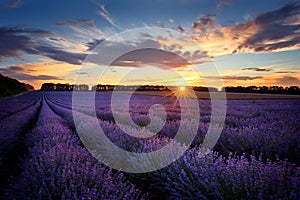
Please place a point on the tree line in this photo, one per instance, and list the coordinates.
(63, 87)
(295, 90)
(100, 87)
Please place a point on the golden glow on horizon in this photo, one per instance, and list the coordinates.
(66, 73)
(182, 88)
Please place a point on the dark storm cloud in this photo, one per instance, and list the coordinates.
(16, 40)
(77, 22)
(280, 26)
(256, 69)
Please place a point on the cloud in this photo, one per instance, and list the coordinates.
(155, 57)
(287, 80)
(205, 24)
(106, 15)
(82, 73)
(91, 45)
(11, 70)
(223, 3)
(12, 4)
(256, 69)
(273, 31)
(58, 54)
(77, 22)
(241, 78)
(16, 40)
(21, 73)
(15, 68)
(286, 72)
(146, 52)
(180, 29)
(161, 24)
(13, 40)
(15, 4)
(39, 77)
(276, 30)
(236, 78)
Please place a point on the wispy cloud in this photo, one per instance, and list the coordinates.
(256, 69)
(82, 73)
(15, 4)
(77, 22)
(239, 78)
(106, 15)
(223, 3)
(286, 72)
(161, 24)
(11, 4)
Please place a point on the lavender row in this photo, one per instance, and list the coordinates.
(11, 106)
(12, 126)
(58, 167)
(217, 177)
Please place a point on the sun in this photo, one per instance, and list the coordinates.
(182, 88)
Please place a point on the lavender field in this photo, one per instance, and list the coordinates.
(42, 156)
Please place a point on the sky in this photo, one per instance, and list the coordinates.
(172, 42)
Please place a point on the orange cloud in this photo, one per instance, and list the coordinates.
(272, 31)
(38, 73)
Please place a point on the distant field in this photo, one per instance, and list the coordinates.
(230, 96)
